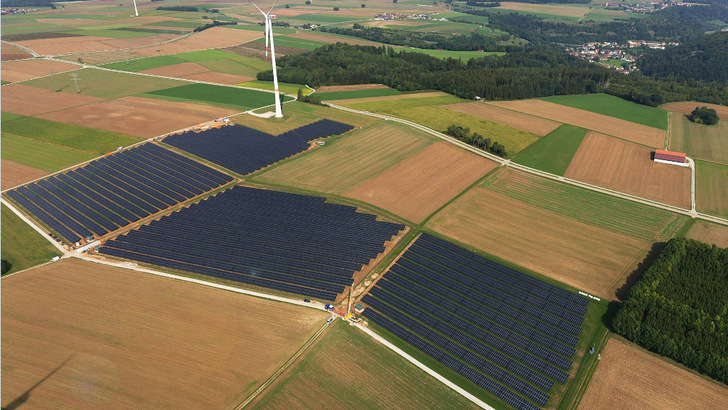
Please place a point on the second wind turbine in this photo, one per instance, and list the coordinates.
(269, 37)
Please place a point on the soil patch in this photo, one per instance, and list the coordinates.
(641, 134)
(580, 255)
(630, 377)
(140, 117)
(15, 71)
(418, 186)
(709, 233)
(525, 122)
(625, 167)
(13, 174)
(26, 100)
(111, 337)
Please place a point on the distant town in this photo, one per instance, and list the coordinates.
(644, 8)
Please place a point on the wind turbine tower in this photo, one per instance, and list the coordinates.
(136, 11)
(269, 37)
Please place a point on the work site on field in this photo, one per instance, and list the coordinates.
(374, 205)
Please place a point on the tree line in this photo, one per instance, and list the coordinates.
(478, 141)
(678, 307)
(705, 59)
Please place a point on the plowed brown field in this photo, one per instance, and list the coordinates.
(630, 131)
(580, 255)
(141, 117)
(625, 167)
(76, 334)
(9, 53)
(15, 71)
(26, 100)
(13, 174)
(418, 186)
(525, 122)
(686, 107)
(709, 233)
(628, 377)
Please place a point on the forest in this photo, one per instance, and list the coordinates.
(705, 59)
(678, 308)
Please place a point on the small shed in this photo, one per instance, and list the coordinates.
(670, 157)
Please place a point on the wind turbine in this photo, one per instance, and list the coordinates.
(136, 12)
(269, 36)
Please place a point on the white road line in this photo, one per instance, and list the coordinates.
(426, 369)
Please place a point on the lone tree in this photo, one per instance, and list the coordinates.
(704, 115)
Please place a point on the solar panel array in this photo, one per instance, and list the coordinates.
(507, 332)
(114, 191)
(245, 150)
(288, 242)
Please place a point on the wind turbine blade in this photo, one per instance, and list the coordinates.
(256, 6)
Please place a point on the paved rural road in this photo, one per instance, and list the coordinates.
(426, 369)
(506, 162)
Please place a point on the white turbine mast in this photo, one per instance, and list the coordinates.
(136, 12)
(269, 36)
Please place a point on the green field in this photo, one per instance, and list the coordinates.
(463, 55)
(296, 114)
(707, 142)
(553, 152)
(614, 107)
(344, 95)
(105, 84)
(352, 371)
(427, 111)
(603, 211)
(22, 246)
(287, 88)
(41, 155)
(324, 18)
(294, 42)
(6, 116)
(215, 94)
(81, 138)
(711, 191)
(339, 166)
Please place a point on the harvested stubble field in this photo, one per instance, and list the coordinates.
(361, 156)
(75, 44)
(9, 53)
(26, 100)
(699, 141)
(23, 247)
(16, 71)
(524, 122)
(104, 84)
(13, 173)
(629, 377)
(709, 233)
(711, 192)
(118, 338)
(626, 167)
(687, 107)
(642, 134)
(138, 116)
(419, 185)
(216, 37)
(347, 369)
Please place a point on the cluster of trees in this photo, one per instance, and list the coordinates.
(214, 11)
(677, 308)
(471, 42)
(215, 23)
(6, 266)
(177, 8)
(704, 115)
(476, 3)
(655, 91)
(705, 59)
(476, 140)
(311, 99)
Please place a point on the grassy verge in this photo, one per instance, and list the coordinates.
(22, 246)
(553, 152)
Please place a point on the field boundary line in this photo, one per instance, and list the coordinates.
(22, 47)
(426, 369)
(26, 269)
(34, 226)
(284, 367)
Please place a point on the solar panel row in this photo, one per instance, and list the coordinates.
(114, 191)
(245, 150)
(515, 329)
(283, 241)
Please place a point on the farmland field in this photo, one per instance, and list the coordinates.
(422, 183)
(629, 377)
(41, 155)
(287, 88)
(712, 234)
(24, 100)
(22, 246)
(641, 134)
(711, 194)
(215, 94)
(361, 156)
(699, 141)
(14, 173)
(419, 98)
(347, 369)
(105, 84)
(343, 95)
(524, 122)
(117, 338)
(463, 55)
(686, 107)
(296, 114)
(73, 136)
(353, 87)
(565, 10)
(626, 167)
(616, 107)
(15, 71)
(554, 152)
